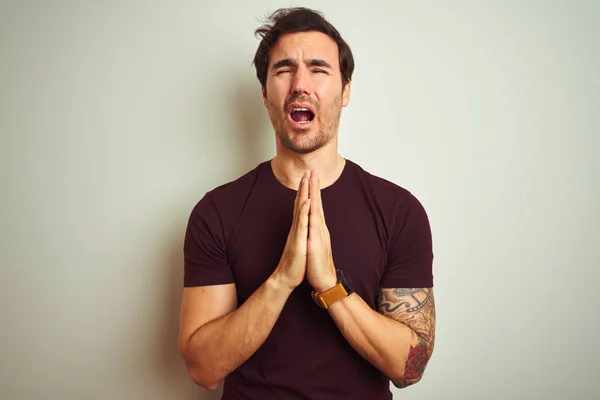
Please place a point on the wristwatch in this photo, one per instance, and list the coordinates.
(339, 291)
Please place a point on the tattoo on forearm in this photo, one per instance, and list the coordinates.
(416, 309)
(415, 365)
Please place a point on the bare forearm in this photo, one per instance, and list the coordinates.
(385, 343)
(222, 345)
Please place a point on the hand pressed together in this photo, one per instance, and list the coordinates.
(307, 252)
(292, 266)
(320, 270)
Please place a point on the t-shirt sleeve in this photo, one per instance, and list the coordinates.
(204, 248)
(410, 252)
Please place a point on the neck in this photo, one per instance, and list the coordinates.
(288, 167)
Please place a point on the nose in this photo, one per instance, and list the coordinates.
(300, 83)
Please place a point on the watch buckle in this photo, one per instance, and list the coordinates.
(318, 299)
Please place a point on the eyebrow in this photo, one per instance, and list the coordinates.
(313, 62)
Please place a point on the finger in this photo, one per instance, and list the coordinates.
(319, 216)
(298, 201)
(313, 184)
(301, 196)
(320, 201)
(303, 220)
(314, 190)
(303, 192)
(314, 218)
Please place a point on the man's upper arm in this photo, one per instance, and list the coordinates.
(414, 308)
(209, 289)
(202, 304)
(406, 288)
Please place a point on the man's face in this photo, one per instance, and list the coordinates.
(304, 94)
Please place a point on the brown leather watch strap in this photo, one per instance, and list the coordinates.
(330, 296)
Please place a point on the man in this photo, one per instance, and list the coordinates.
(307, 278)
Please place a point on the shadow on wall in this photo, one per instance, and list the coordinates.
(246, 148)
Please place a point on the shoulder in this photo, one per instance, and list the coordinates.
(387, 194)
(230, 196)
(226, 192)
(407, 233)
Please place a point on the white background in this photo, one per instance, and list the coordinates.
(117, 116)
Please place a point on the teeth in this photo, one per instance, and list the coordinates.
(300, 109)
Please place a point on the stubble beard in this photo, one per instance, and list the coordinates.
(328, 121)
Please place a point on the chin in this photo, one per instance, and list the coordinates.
(304, 150)
(304, 146)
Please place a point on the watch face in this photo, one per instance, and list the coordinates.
(346, 281)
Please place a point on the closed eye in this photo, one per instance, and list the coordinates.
(282, 71)
(319, 71)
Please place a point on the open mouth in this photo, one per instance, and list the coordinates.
(301, 115)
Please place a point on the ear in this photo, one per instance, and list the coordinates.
(346, 94)
(264, 96)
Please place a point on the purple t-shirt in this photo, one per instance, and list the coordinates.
(380, 238)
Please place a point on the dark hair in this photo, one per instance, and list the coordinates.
(298, 19)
